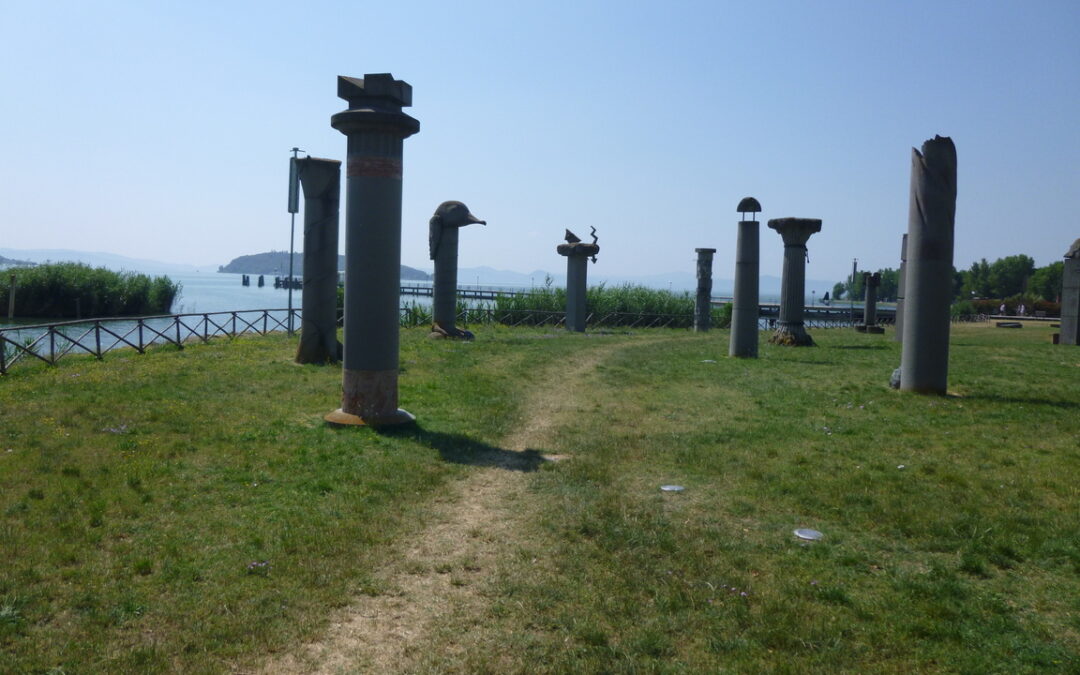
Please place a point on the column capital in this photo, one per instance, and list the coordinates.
(795, 231)
(375, 103)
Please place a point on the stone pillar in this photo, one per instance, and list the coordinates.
(1070, 297)
(901, 285)
(745, 306)
(790, 330)
(577, 255)
(924, 362)
(376, 129)
(869, 322)
(703, 303)
(321, 181)
(443, 248)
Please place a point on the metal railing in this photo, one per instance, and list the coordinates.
(51, 342)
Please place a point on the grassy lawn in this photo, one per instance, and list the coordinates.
(188, 510)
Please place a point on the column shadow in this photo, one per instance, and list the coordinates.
(460, 449)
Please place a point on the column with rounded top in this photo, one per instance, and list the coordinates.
(375, 128)
(703, 301)
(443, 248)
(790, 329)
(745, 307)
(321, 181)
(924, 361)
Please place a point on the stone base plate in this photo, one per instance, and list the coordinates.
(341, 418)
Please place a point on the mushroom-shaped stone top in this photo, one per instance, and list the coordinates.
(748, 205)
(1074, 250)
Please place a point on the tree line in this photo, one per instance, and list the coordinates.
(1013, 277)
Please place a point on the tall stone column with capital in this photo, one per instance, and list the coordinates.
(869, 322)
(321, 181)
(703, 301)
(375, 128)
(1070, 297)
(745, 307)
(577, 254)
(901, 285)
(790, 329)
(924, 360)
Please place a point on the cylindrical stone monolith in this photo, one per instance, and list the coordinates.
(577, 256)
(745, 306)
(901, 286)
(1070, 297)
(790, 330)
(924, 361)
(321, 181)
(703, 301)
(375, 128)
(871, 282)
(443, 248)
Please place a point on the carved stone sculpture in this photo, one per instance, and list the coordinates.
(744, 309)
(376, 129)
(443, 248)
(703, 300)
(924, 362)
(1070, 296)
(321, 180)
(869, 323)
(790, 329)
(577, 254)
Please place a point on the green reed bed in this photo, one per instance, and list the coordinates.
(68, 290)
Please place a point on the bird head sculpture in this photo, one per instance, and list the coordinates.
(449, 214)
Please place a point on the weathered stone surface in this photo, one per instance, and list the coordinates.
(790, 329)
(443, 229)
(321, 182)
(375, 128)
(577, 255)
(744, 308)
(928, 283)
(703, 299)
(1070, 297)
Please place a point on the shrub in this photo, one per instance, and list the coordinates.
(68, 290)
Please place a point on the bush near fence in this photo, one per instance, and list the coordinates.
(67, 290)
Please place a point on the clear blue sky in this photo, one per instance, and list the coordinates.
(161, 129)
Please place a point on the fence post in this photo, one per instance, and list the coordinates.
(141, 350)
(97, 338)
(3, 356)
(52, 345)
(206, 328)
(179, 344)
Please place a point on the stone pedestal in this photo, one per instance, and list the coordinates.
(745, 306)
(449, 218)
(790, 330)
(1070, 297)
(321, 181)
(376, 129)
(869, 322)
(577, 258)
(703, 300)
(924, 363)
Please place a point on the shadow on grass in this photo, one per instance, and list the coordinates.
(464, 450)
(859, 347)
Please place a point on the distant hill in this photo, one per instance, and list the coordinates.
(10, 262)
(276, 263)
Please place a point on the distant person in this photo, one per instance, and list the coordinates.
(1020, 310)
(1001, 310)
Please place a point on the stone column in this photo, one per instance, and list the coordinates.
(901, 285)
(869, 323)
(703, 304)
(321, 181)
(376, 129)
(924, 362)
(790, 330)
(1070, 297)
(443, 248)
(577, 255)
(745, 306)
